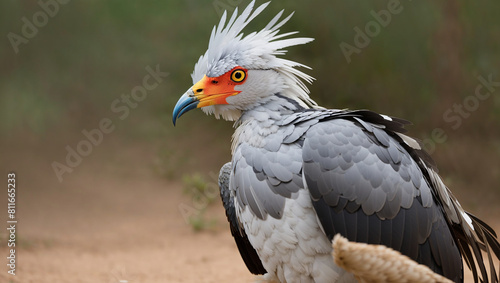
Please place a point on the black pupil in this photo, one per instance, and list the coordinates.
(237, 75)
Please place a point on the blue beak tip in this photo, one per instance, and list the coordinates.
(184, 105)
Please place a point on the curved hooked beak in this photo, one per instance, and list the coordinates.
(206, 92)
(187, 102)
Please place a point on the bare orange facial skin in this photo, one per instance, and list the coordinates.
(212, 91)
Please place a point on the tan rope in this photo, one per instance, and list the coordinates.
(377, 263)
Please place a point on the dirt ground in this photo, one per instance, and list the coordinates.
(113, 220)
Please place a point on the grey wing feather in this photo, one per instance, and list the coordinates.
(247, 252)
(361, 182)
(470, 233)
(264, 177)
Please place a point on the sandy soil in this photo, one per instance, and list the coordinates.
(112, 220)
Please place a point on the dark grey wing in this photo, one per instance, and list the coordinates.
(367, 187)
(247, 252)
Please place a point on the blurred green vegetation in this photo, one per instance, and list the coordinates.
(91, 52)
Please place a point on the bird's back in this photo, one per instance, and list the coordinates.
(355, 176)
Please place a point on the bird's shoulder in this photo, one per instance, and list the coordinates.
(362, 157)
(346, 146)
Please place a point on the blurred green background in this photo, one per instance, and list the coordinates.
(65, 78)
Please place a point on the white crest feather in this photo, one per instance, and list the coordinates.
(228, 48)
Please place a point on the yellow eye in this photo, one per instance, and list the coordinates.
(238, 76)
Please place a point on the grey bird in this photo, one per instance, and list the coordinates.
(301, 174)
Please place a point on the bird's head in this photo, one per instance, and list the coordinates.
(239, 72)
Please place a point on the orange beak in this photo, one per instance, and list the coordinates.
(210, 91)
